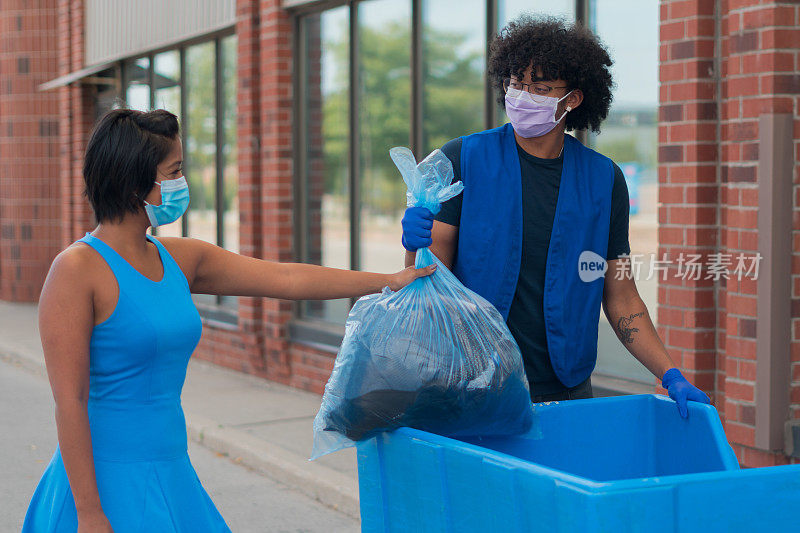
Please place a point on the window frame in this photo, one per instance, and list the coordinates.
(218, 312)
(416, 136)
(324, 335)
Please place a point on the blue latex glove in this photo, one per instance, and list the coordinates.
(417, 224)
(681, 390)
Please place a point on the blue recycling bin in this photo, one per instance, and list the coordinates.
(622, 464)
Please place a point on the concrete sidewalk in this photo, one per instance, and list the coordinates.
(260, 424)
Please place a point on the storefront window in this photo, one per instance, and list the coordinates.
(454, 65)
(508, 10)
(230, 169)
(167, 81)
(417, 87)
(420, 81)
(184, 82)
(384, 33)
(167, 90)
(137, 77)
(324, 88)
(630, 137)
(201, 147)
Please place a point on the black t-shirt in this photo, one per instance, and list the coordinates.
(540, 182)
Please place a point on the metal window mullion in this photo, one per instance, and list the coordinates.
(220, 139)
(300, 140)
(219, 134)
(151, 82)
(417, 88)
(184, 129)
(355, 146)
(582, 17)
(489, 107)
(300, 134)
(123, 83)
(354, 159)
(582, 12)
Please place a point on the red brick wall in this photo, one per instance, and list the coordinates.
(723, 63)
(688, 185)
(29, 121)
(277, 176)
(241, 347)
(75, 123)
(43, 136)
(260, 343)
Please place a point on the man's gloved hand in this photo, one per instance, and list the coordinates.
(681, 390)
(417, 224)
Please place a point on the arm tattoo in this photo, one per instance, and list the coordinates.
(624, 328)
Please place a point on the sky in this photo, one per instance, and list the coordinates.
(629, 28)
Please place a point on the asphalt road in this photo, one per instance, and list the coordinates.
(249, 501)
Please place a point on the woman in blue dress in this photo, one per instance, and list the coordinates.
(118, 326)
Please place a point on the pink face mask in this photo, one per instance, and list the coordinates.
(532, 116)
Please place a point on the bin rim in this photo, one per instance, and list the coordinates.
(697, 409)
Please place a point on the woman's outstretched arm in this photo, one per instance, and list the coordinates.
(214, 270)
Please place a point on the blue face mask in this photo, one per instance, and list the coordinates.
(174, 202)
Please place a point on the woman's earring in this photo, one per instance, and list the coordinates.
(569, 108)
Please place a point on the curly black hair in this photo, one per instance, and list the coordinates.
(562, 51)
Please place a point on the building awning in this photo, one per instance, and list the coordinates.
(75, 76)
(119, 29)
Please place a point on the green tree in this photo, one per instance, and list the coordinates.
(453, 105)
(454, 88)
(201, 142)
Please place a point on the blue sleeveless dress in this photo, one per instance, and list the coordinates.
(137, 366)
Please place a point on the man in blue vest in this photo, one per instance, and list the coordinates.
(542, 217)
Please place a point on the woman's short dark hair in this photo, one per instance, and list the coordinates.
(124, 150)
(564, 51)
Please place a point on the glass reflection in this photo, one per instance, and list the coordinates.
(167, 81)
(200, 151)
(384, 121)
(325, 89)
(508, 10)
(453, 70)
(230, 173)
(230, 198)
(630, 138)
(137, 76)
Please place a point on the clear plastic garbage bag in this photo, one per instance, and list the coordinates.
(433, 356)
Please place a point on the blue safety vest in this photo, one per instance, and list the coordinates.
(490, 241)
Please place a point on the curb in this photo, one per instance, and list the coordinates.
(323, 484)
(26, 363)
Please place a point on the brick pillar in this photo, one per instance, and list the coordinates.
(242, 347)
(29, 209)
(315, 170)
(259, 343)
(76, 118)
(688, 186)
(251, 310)
(277, 198)
(759, 70)
(724, 65)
